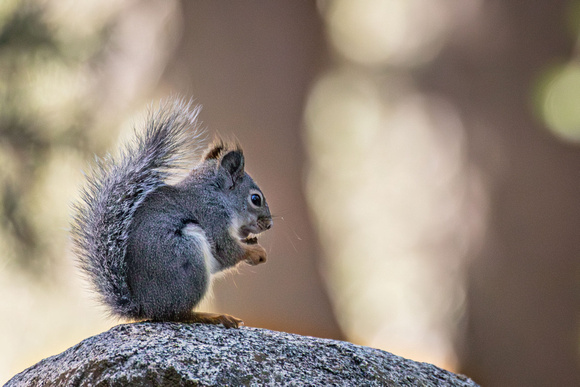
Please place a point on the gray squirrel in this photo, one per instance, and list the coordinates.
(150, 248)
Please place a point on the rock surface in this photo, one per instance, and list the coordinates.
(171, 354)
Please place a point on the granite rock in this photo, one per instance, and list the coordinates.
(172, 354)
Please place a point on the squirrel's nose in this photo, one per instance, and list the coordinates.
(265, 223)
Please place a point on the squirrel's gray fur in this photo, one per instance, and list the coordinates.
(149, 247)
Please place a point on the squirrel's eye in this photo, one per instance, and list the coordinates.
(256, 200)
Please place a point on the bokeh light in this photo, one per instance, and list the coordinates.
(389, 184)
(379, 32)
(559, 101)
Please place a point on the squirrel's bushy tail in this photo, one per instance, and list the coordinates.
(117, 186)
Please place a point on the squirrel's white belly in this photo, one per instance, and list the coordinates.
(196, 232)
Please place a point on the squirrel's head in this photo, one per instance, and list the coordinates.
(251, 214)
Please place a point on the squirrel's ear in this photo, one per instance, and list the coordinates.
(233, 163)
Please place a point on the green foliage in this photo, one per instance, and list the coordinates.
(43, 72)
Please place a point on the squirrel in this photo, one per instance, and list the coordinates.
(149, 247)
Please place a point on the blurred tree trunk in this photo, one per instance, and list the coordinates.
(250, 65)
(523, 297)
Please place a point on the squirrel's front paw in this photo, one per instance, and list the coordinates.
(254, 254)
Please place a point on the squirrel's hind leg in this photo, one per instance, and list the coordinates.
(211, 318)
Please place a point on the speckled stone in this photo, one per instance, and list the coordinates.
(171, 354)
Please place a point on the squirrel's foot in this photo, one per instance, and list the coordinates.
(213, 318)
(254, 254)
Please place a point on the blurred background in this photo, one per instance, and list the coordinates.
(422, 158)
